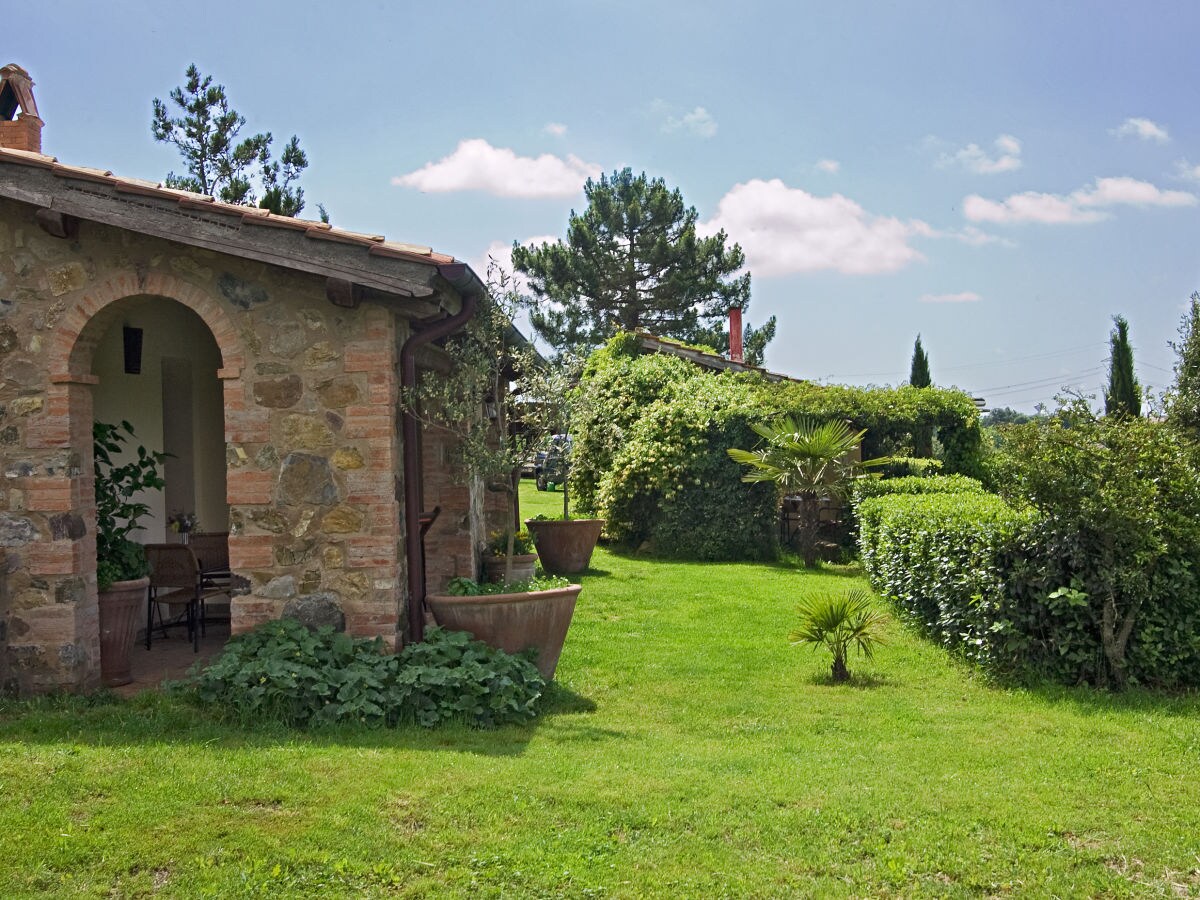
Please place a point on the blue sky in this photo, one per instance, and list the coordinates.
(1000, 177)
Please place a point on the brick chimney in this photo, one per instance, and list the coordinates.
(735, 334)
(20, 125)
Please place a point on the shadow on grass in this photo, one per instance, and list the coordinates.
(866, 681)
(561, 701)
(590, 572)
(787, 562)
(1088, 700)
(154, 718)
(1085, 699)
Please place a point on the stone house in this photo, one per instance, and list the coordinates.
(266, 354)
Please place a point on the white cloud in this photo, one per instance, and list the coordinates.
(1186, 170)
(975, 237)
(698, 122)
(1030, 206)
(974, 159)
(555, 129)
(1129, 191)
(832, 166)
(476, 165)
(1080, 207)
(964, 297)
(1143, 129)
(785, 230)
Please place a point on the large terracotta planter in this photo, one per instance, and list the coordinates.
(122, 607)
(565, 545)
(522, 567)
(513, 622)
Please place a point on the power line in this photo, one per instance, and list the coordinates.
(1001, 362)
(1041, 382)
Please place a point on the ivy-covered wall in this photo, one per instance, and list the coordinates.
(652, 431)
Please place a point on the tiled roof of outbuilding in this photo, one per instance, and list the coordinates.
(374, 244)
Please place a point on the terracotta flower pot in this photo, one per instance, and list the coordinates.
(522, 567)
(122, 607)
(513, 622)
(565, 545)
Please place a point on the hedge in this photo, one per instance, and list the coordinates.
(992, 584)
(651, 434)
(917, 484)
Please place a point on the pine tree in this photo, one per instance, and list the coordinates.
(218, 164)
(1123, 397)
(633, 260)
(1184, 408)
(918, 375)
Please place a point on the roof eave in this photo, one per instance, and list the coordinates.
(196, 220)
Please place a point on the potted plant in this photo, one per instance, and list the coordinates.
(523, 560)
(487, 401)
(121, 565)
(517, 616)
(564, 545)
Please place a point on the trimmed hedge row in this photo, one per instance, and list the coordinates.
(992, 584)
(941, 558)
(917, 484)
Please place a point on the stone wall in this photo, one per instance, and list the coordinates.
(313, 460)
(470, 513)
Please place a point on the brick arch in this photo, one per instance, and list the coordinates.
(73, 341)
(67, 561)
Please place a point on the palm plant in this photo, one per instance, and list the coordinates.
(815, 461)
(837, 622)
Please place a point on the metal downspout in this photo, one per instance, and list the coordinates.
(468, 284)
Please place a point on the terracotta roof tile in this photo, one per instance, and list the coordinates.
(704, 358)
(27, 158)
(83, 173)
(375, 244)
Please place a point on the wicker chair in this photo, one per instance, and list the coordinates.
(175, 577)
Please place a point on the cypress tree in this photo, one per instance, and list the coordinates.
(1123, 397)
(918, 376)
(1184, 410)
(919, 373)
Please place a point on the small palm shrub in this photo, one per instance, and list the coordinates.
(839, 622)
(814, 460)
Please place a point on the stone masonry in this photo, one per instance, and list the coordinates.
(313, 453)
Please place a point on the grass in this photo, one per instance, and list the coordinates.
(686, 751)
(541, 503)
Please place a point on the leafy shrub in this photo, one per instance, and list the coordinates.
(1092, 574)
(903, 466)
(469, 587)
(450, 675)
(651, 434)
(1120, 497)
(671, 482)
(283, 672)
(522, 543)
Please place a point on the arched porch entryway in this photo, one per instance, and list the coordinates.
(154, 358)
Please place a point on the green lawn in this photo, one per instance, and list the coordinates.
(540, 503)
(687, 751)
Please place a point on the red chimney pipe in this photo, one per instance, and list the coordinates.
(735, 334)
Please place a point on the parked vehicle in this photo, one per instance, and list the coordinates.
(551, 468)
